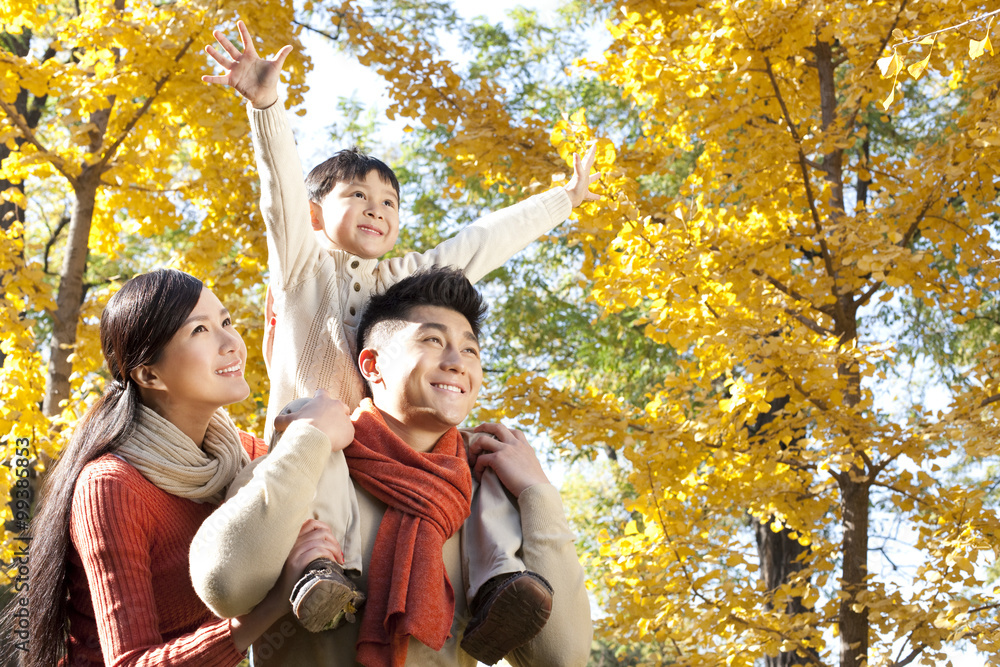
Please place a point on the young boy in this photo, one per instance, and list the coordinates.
(320, 280)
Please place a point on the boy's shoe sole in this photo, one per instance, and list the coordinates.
(512, 614)
(324, 597)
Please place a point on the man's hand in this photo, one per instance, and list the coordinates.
(578, 187)
(325, 413)
(507, 452)
(253, 78)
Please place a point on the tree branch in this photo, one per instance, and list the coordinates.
(29, 136)
(52, 239)
(806, 182)
(113, 149)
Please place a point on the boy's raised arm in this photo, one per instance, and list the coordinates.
(284, 204)
(253, 78)
(489, 242)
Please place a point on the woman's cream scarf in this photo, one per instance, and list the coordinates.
(172, 461)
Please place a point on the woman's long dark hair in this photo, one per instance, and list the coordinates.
(136, 324)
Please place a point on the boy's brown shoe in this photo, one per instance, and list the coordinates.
(324, 596)
(509, 610)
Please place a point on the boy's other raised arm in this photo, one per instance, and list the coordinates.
(489, 242)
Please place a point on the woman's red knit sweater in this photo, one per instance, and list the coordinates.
(131, 601)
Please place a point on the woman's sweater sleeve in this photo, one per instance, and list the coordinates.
(237, 554)
(114, 534)
(548, 550)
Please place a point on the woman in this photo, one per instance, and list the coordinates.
(147, 464)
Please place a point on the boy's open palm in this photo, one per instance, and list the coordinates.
(253, 78)
(578, 187)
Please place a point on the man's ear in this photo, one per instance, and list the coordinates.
(368, 363)
(146, 378)
(316, 216)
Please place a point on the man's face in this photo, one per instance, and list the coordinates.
(428, 374)
(360, 216)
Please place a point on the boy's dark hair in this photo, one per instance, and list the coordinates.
(440, 286)
(345, 166)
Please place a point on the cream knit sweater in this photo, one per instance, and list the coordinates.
(238, 553)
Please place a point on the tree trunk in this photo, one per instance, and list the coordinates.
(778, 562)
(854, 619)
(70, 297)
(778, 553)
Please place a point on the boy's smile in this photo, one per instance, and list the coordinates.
(360, 216)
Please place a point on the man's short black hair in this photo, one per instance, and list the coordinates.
(345, 166)
(437, 286)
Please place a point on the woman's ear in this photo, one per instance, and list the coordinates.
(368, 363)
(146, 378)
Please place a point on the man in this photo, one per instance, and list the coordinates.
(420, 360)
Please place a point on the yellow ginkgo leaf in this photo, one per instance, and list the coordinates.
(892, 95)
(978, 46)
(890, 65)
(917, 68)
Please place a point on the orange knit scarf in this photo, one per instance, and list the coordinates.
(428, 495)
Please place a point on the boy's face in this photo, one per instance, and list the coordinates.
(428, 374)
(361, 216)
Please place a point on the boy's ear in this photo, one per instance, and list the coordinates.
(316, 216)
(368, 363)
(146, 378)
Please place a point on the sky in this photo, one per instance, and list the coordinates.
(352, 78)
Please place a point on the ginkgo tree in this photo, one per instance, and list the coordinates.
(768, 463)
(808, 208)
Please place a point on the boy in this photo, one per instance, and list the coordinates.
(320, 281)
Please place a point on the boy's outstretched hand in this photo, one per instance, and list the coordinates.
(253, 78)
(578, 187)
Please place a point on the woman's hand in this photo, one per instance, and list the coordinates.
(327, 414)
(578, 187)
(315, 540)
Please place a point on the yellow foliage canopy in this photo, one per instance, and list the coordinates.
(121, 100)
(806, 207)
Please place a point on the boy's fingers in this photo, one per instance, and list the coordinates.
(498, 431)
(245, 37)
(227, 46)
(481, 465)
(225, 62)
(279, 57)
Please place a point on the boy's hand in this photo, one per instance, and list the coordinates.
(253, 78)
(510, 456)
(578, 187)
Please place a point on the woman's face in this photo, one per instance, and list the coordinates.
(201, 368)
